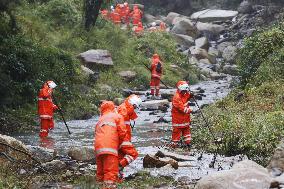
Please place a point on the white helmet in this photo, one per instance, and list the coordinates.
(183, 86)
(153, 24)
(135, 100)
(112, 7)
(51, 84)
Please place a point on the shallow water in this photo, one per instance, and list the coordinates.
(147, 136)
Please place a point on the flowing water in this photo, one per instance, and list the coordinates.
(148, 137)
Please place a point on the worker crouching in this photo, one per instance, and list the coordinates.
(110, 133)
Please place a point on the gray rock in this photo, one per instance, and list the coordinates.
(199, 53)
(245, 7)
(230, 69)
(214, 52)
(224, 45)
(94, 58)
(87, 71)
(85, 154)
(202, 42)
(213, 28)
(204, 61)
(149, 18)
(247, 175)
(154, 104)
(229, 54)
(185, 27)
(42, 154)
(184, 40)
(54, 166)
(10, 152)
(211, 15)
(128, 75)
(277, 160)
(170, 17)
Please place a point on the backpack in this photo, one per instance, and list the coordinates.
(159, 67)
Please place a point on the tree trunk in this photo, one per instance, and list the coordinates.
(92, 10)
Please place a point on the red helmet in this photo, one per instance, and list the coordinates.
(182, 86)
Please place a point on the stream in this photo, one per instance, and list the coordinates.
(148, 137)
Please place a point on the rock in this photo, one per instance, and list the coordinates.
(211, 15)
(230, 69)
(128, 75)
(96, 58)
(192, 60)
(149, 18)
(85, 154)
(277, 160)
(185, 27)
(204, 61)
(184, 40)
(170, 17)
(54, 166)
(150, 161)
(14, 143)
(245, 7)
(208, 27)
(202, 42)
(276, 182)
(229, 54)
(154, 104)
(214, 52)
(200, 54)
(118, 101)
(42, 154)
(221, 47)
(246, 174)
(167, 95)
(87, 71)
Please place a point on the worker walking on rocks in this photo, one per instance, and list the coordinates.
(156, 73)
(110, 133)
(181, 114)
(46, 108)
(127, 151)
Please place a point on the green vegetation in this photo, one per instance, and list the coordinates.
(43, 45)
(251, 119)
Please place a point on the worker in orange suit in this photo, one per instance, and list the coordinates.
(163, 26)
(181, 114)
(156, 73)
(127, 152)
(46, 108)
(115, 15)
(138, 30)
(110, 133)
(105, 14)
(136, 15)
(125, 13)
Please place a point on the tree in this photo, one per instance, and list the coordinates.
(92, 10)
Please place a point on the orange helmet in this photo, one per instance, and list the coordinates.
(107, 106)
(182, 86)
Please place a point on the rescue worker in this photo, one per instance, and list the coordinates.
(115, 16)
(136, 15)
(105, 14)
(138, 30)
(156, 72)
(181, 114)
(110, 133)
(126, 12)
(163, 26)
(46, 108)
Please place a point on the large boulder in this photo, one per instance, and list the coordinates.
(170, 17)
(221, 47)
(85, 154)
(211, 15)
(230, 69)
(276, 163)
(200, 53)
(245, 7)
(42, 154)
(14, 150)
(184, 40)
(149, 18)
(214, 52)
(128, 75)
(202, 42)
(54, 166)
(208, 27)
(94, 59)
(246, 174)
(185, 27)
(229, 54)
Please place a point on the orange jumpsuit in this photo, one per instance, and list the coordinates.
(163, 26)
(181, 117)
(115, 15)
(138, 30)
(136, 15)
(127, 152)
(45, 110)
(110, 133)
(155, 76)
